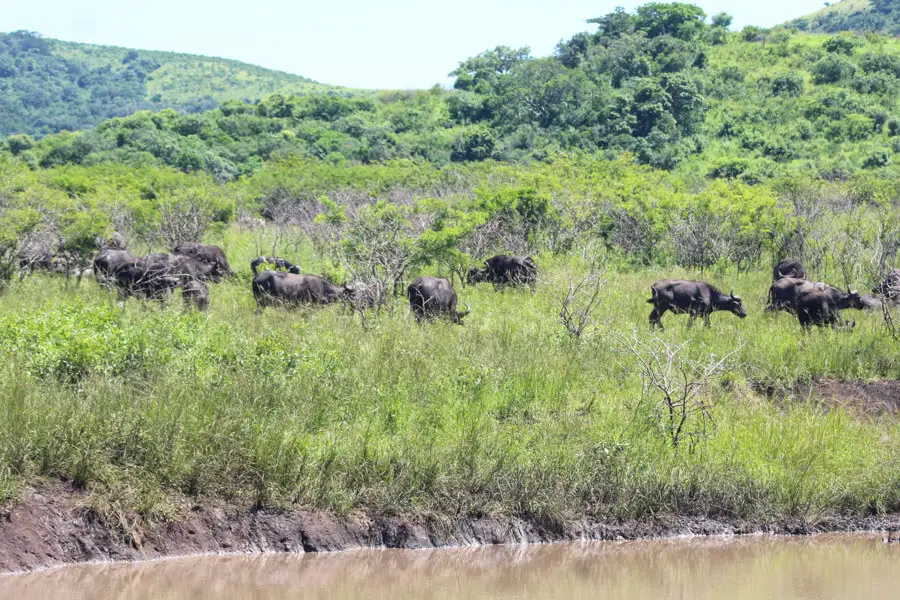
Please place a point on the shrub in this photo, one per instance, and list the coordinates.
(832, 69)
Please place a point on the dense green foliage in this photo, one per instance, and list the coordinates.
(48, 85)
(662, 84)
(881, 16)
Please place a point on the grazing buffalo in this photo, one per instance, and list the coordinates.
(275, 288)
(889, 289)
(206, 253)
(788, 268)
(785, 294)
(817, 306)
(148, 277)
(189, 268)
(505, 270)
(430, 297)
(106, 263)
(195, 294)
(696, 298)
(274, 263)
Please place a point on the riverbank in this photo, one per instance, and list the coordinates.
(50, 527)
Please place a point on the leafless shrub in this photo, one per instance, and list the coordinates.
(630, 233)
(676, 387)
(807, 238)
(182, 219)
(578, 297)
(700, 241)
(377, 250)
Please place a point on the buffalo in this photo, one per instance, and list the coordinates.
(189, 268)
(195, 294)
(206, 253)
(148, 277)
(505, 270)
(106, 263)
(274, 263)
(697, 298)
(785, 294)
(889, 289)
(275, 288)
(788, 268)
(430, 297)
(820, 307)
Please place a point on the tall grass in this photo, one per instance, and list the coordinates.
(145, 405)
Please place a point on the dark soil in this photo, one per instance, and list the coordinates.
(876, 398)
(48, 527)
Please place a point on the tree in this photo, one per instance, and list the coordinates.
(684, 21)
(722, 20)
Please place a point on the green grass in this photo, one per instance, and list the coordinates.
(145, 405)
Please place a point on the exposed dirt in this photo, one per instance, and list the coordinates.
(879, 397)
(49, 528)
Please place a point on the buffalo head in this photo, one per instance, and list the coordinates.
(736, 306)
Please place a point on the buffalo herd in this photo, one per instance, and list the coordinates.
(279, 282)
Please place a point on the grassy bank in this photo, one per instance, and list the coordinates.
(144, 406)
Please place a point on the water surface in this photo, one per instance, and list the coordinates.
(832, 567)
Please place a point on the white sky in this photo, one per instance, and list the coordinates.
(387, 44)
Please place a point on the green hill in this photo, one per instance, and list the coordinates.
(881, 16)
(666, 86)
(49, 85)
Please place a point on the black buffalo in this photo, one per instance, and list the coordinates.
(696, 298)
(188, 268)
(106, 263)
(195, 294)
(430, 297)
(274, 263)
(148, 277)
(889, 289)
(785, 294)
(505, 270)
(276, 288)
(788, 268)
(206, 253)
(820, 307)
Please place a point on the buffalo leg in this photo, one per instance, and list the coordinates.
(656, 319)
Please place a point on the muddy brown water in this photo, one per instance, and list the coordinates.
(827, 567)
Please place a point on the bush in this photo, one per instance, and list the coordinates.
(789, 84)
(842, 44)
(832, 69)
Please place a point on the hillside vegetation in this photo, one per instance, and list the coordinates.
(49, 85)
(880, 16)
(664, 85)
